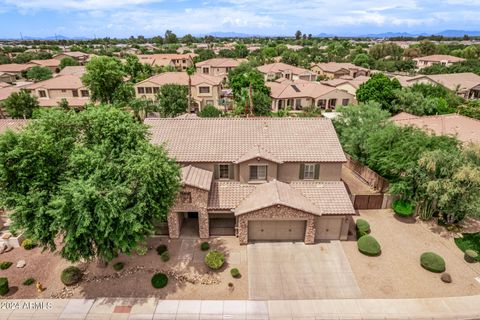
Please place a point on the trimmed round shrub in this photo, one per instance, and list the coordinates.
(28, 244)
(165, 256)
(118, 266)
(403, 208)
(363, 227)
(204, 246)
(471, 256)
(161, 249)
(5, 265)
(159, 280)
(214, 260)
(28, 282)
(235, 273)
(71, 276)
(3, 286)
(369, 246)
(432, 262)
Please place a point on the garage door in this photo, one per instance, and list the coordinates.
(278, 230)
(222, 224)
(328, 228)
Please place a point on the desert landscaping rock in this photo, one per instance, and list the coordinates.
(21, 264)
(446, 277)
(3, 246)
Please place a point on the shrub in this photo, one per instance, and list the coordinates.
(3, 286)
(209, 111)
(159, 280)
(28, 282)
(28, 244)
(363, 227)
(471, 256)
(71, 276)
(432, 262)
(204, 246)
(214, 260)
(235, 273)
(469, 241)
(118, 266)
(369, 246)
(165, 256)
(161, 249)
(403, 208)
(5, 265)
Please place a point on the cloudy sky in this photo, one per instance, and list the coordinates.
(122, 18)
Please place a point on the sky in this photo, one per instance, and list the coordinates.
(123, 18)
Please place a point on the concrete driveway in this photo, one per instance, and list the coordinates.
(284, 270)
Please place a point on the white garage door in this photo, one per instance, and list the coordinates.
(328, 228)
(277, 230)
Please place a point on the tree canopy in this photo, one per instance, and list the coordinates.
(68, 62)
(21, 105)
(379, 88)
(38, 73)
(172, 100)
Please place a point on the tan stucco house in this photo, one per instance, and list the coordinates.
(179, 61)
(428, 61)
(347, 84)
(218, 67)
(261, 179)
(7, 77)
(297, 95)
(334, 70)
(52, 64)
(205, 89)
(15, 68)
(81, 57)
(277, 70)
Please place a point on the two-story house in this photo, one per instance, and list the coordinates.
(205, 89)
(261, 179)
(278, 70)
(180, 61)
(428, 61)
(335, 70)
(218, 67)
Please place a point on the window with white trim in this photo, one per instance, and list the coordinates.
(309, 171)
(258, 172)
(204, 89)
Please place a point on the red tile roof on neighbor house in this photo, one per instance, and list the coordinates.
(60, 82)
(440, 58)
(47, 62)
(336, 66)
(15, 67)
(221, 63)
(286, 89)
(12, 124)
(181, 78)
(227, 139)
(278, 67)
(464, 128)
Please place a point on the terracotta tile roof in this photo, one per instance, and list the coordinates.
(61, 82)
(4, 84)
(74, 54)
(355, 82)
(15, 67)
(335, 66)
(403, 116)
(457, 81)
(466, 129)
(181, 78)
(440, 58)
(331, 197)
(226, 195)
(220, 63)
(170, 56)
(12, 124)
(195, 177)
(47, 62)
(7, 91)
(278, 67)
(227, 139)
(275, 193)
(257, 152)
(72, 70)
(298, 89)
(72, 101)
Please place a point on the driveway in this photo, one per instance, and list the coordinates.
(283, 270)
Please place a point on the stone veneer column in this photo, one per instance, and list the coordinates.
(242, 231)
(203, 224)
(173, 225)
(310, 230)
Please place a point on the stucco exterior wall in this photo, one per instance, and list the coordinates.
(244, 169)
(276, 213)
(330, 171)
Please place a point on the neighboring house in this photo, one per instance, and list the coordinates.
(15, 68)
(180, 61)
(428, 61)
(277, 70)
(261, 179)
(81, 57)
(334, 70)
(72, 71)
(297, 95)
(7, 77)
(205, 89)
(52, 64)
(218, 67)
(12, 124)
(465, 85)
(5, 92)
(466, 129)
(349, 85)
(70, 87)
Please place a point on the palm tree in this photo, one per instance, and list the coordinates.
(190, 72)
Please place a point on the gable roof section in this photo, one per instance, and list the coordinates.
(181, 78)
(275, 193)
(298, 89)
(334, 67)
(226, 195)
(196, 177)
(282, 67)
(72, 70)
(227, 139)
(47, 62)
(453, 81)
(61, 82)
(258, 152)
(15, 67)
(220, 63)
(440, 58)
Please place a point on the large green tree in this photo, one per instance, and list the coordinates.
(103, 76)
(68, 62)
(379, 88)
(38, 73)
(90, 180)
(172, 100)
(21, 105)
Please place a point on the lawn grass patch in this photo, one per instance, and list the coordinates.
(469, 241)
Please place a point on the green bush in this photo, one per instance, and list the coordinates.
(118, 266)
(28, 282)
(204, 246)
(432, 262)
(28, 244)
(403, 208)
(5, 265)
(214, 260)
(209, 111)
(165, 256)
(235, 273)
(159, 280)
(71, 276)
(471, 256)
(469, 241)
(369, 246)
(3, 286)
(363, 228)
(161, 249)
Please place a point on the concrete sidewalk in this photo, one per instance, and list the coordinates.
(151, 308)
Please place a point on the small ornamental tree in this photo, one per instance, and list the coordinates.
(38, 73)
(68, 62)
(172, 100)
(21, 105)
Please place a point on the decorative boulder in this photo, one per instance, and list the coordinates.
(21, 264)
(446, 277)
(3, 247)
(471, 256)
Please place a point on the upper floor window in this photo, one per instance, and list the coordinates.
(75, 93)
(42, 93)
(205, 70)
(204, 89)
(84, 93)
(258, 172)
(309, 171)
(223, 171)
(141, 90)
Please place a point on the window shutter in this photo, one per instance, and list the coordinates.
(302, 170)
(317, 171)
(231, 173)
(216, 171)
